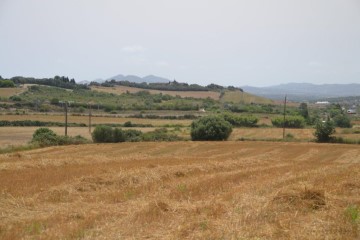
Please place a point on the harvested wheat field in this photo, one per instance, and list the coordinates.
(182, 190)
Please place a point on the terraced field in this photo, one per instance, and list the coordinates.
(183, 94)
(182, 190)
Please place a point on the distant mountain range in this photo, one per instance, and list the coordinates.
(305, 91)
(132, 78)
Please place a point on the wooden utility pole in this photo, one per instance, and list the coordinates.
(90, 118)
(66, 119)
(284, 118)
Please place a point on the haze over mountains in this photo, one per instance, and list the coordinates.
(305, 91)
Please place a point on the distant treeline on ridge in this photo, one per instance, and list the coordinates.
(170, 86)
(57, 81)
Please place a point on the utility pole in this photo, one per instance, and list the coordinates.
(284, 118)
(89, 105)
(66, 119)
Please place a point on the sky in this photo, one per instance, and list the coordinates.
(227, 42)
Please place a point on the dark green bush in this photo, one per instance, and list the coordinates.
(132, 135)
(290, 122)
(240, 121)
(128, 124)
(15, 98)
(342, 121)
(102, 134)
(106, 134)
(210, 128)
(118, 135)
(6, 84)
(324, 130)
(46, 137)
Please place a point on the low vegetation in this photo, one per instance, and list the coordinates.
(44, 137)
(240, 120)
(324, 131)
(28, 123)
(106, 134)
(290, 122)
(210, 128)
(170, 86)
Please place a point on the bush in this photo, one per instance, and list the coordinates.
(46, 137)
(240, 121)
(132, 135)
(128, 124)
(6, 84)
(102, 134)
(106, 134)
(290, 122)
(342, 121)
(324, 130)
(210, 128)
(15, 98)
(159, 135)
(118, 135)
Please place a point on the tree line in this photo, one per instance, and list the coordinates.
(170, 86)
(57, 81)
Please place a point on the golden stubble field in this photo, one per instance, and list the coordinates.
(181, 190)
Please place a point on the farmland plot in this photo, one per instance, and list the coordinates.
(182, 190)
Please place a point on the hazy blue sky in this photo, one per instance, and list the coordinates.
(229, 42)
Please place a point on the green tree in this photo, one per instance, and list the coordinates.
(210, 128)
(303, 110)
(342, 121)
(324, 130)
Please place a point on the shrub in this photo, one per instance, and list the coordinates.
(342, 121)
(106, 134)
(6, 84)
(240, 121)
(15, 98)
(132, 135)
(128, 124)
(160, 134)
(118, 135)
(290, 122)
(102, 134)
(210, 128)
(45, 137)
(323, 131)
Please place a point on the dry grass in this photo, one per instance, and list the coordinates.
(8, 92)
(181, 190)
(183, 94)
(243, 97)
(271, 133)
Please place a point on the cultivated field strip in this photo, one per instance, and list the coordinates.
(181, 190)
